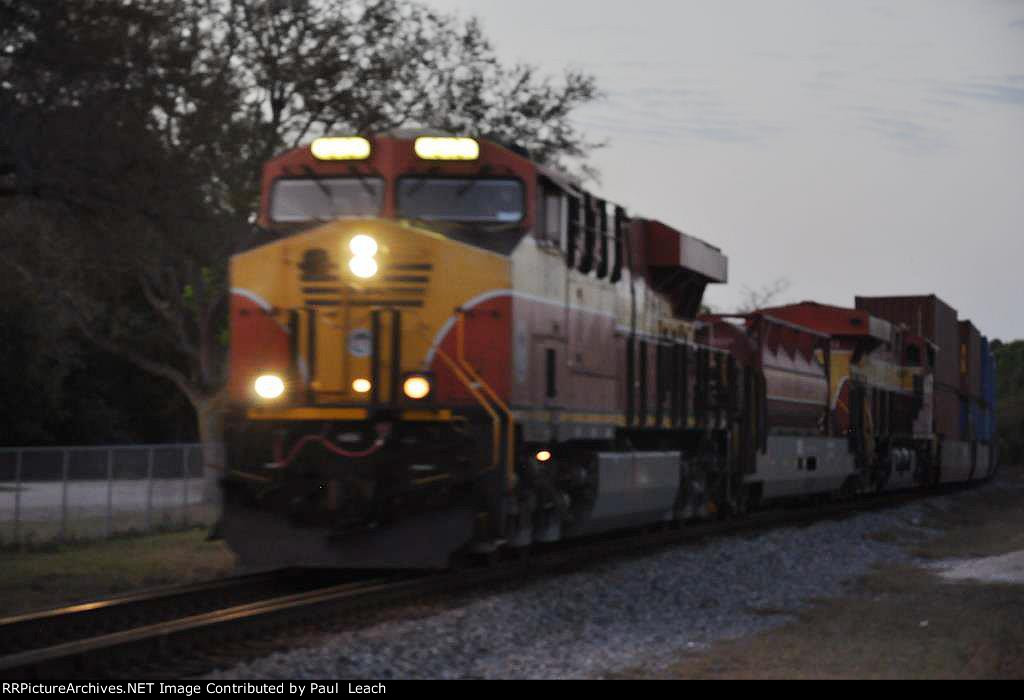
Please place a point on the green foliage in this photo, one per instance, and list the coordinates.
(58, 390)
(31, 399)
(1010, 400)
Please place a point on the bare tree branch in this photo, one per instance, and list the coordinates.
(766, 295)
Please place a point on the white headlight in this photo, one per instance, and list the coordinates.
(361, 385)
(363, 246)
(416, 387)
(269, 386)
(341, 148)
(446, 148)
(363, 267)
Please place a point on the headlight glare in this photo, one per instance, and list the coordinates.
(363, 246)
(363, 267)
(269, 386)
(341, 148)
(416, 387)
(446, 148)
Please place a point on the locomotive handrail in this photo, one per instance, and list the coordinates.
(495, 420)
(472, 388)
(510, 447)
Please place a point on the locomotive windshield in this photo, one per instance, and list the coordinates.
(323, 199)
(486, 200)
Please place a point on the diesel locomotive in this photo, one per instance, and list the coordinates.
(447, 348)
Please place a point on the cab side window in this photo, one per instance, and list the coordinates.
(551, 223)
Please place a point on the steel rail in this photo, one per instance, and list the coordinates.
(68, 623)
(88, 655)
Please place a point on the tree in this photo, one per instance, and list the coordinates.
(132, 136)
(124, 232)
(766, 295)
(1010, 399)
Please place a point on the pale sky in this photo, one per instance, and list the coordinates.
(850, 147)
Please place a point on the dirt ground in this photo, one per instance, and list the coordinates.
(907, 621)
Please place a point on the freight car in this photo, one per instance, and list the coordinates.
(447, 347)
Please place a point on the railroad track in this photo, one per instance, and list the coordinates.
(73, 622)
(185, 631)
(45, 635)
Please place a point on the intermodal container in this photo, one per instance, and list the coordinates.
(972, 420)
(985, 433)
(947, 413)
(936, 320)
(988, 374)
(970, 360)
(983, 358)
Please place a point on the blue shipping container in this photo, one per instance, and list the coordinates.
(988, 389)
(975, 421)
(985, 432)
(989, 396)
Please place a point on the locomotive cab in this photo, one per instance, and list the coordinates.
(370, 349)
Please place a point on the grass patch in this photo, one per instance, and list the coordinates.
(41, 534)
(60, 574)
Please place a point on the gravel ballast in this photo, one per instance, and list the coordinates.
(628, 614)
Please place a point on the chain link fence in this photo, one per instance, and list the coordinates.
(68, 493)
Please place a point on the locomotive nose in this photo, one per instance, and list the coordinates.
(359, 290)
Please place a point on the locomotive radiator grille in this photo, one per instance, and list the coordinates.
(398, 284)
(341, 315)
